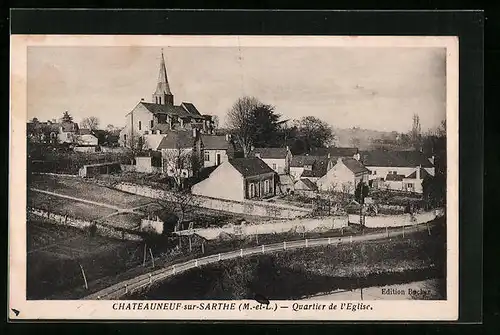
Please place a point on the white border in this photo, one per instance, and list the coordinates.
(102, 310)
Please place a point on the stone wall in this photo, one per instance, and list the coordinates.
(381, 221)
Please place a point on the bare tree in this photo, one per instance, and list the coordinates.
(416, 132)
(240, 120)
(90, 122)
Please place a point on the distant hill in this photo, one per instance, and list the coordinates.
(364, 139)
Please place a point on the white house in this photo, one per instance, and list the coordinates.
(413, 182)
(217, 149)
(310, 167)
(344, 176)
(277, 159)
(180, 151)
(238, 179)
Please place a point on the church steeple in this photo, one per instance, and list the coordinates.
(162, 95)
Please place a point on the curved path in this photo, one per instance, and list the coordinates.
(121, 289)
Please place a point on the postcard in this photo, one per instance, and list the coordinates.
(255, 178)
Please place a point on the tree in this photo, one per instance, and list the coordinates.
(416, 133)
(266, 126)
(361, 192)
(90, 122)
(240, 121)
(314, 133)
(67, 117)
(355, 142)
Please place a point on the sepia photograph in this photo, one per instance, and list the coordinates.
(211, 172)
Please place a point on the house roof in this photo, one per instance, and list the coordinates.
(309, 184)
(355, 166)
(394, 177)
(395, 158)
(214, 142)
(162, 127)
(300, 161)
(423, 174)
(171, 110)
(250, 166)
(335, 151)
(191, 108)
(272, 153)
(84, 131)
(319, 168)
(177, 140)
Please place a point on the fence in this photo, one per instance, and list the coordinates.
(144, 281)
(101, 228)
(381, 221)
(272, 227)
(246, 207)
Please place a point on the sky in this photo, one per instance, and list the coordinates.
(371, 88)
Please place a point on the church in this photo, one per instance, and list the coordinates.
(149, 122)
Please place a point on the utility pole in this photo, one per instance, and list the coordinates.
(84, 278)
(144, 259)
(152, 258)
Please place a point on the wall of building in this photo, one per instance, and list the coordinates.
(153, 140)
(212, 154)
(131, 129)
(250, 207)
(259, 186)
(295, 172)
(225, 182)
(417, 185)
(382, 171)
(278, 165)
(381, 221)
(336, 177)
(87, 140)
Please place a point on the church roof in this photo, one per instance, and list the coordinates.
(163, 86)
(169, 109)
(191, 108)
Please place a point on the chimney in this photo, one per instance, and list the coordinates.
(339, 160)
(142, 99)
(418, 172)
(257, 155)
(157, 132)
(357, 156)
(194, 132)
(228, 137)
(328, 155)
(431, 159)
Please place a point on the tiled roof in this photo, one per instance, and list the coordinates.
(423, 174)
(394, 177)
(169, 109)
(214, 142)
(84, 131)
(250, 166)
(162, 127)
(395, 158)
(309, 184)
(334, 152)
(300, 161)
(355, 166)
(191, 108)
(177, 140)
(319, 168)
(272, 153)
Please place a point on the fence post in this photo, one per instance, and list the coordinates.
(196, 262)
(329, 240)
(306, 243)
(350, 238)
(284, 245)
(387, 231)
(219, 257)
(173, 269)
(126, 289)
(263, 248)
(150, 279)
(241, 252)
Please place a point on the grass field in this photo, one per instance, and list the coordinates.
(69, 207)
(77, 188)
(55, 254)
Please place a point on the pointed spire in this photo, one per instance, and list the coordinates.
(163, 86)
